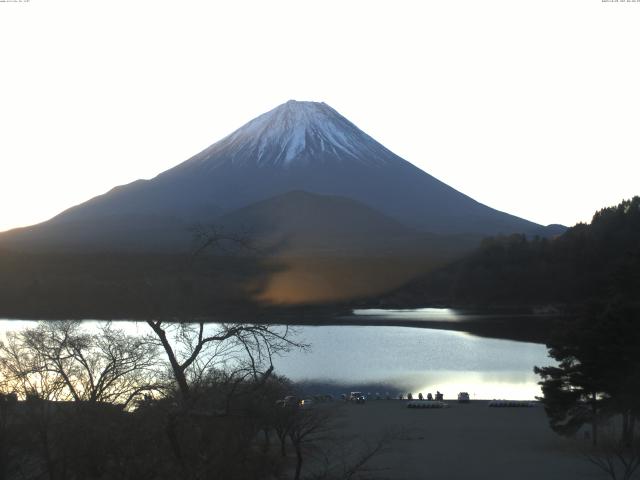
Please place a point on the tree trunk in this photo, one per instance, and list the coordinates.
(628, 428)
(298, 462)
(178, 371)
(267, 440)
(172, 435)
(46, 451)
(625, 429)
(594, 420)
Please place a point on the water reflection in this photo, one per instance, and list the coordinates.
(512, 385)
(433, 314)
(416, 359)
(402, 359)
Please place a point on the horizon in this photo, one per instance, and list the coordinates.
(541, 127)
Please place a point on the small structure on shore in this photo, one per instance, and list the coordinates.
(426, 404)
(512, 403)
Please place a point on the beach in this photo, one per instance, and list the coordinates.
(464, 441)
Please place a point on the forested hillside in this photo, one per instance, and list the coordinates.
(596, 261)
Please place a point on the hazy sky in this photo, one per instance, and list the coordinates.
(532, 107)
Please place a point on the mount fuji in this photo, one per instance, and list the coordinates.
(296, 147)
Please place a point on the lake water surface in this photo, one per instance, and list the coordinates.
(398, 359)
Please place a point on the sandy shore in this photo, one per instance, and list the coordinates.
(465, 441)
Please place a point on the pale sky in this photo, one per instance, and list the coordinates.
(531, 107)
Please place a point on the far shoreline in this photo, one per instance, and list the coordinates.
(522, 327)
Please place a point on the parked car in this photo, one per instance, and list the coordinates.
(463, 397)
(357, 397)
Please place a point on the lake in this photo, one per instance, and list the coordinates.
(400, 359)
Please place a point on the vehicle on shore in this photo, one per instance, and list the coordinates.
(357, 397)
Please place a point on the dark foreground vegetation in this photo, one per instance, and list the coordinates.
(183, 402)
(596, 383)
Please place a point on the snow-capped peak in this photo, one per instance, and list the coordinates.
(297, 133)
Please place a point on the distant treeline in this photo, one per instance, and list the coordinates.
(227, 287)
(117, 285)
(596, 261)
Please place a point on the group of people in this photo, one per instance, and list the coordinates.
(438, 398)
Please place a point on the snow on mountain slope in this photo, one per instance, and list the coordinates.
(296, 133)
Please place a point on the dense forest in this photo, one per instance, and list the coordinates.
(589, 262)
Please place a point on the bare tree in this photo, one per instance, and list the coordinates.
(21, 368)
(216, 367)
(348, 459)
(307, 426)
(194, 349)
(313, 434)
(283, 421)
(62, 361)
(211, 237)
(618, 457)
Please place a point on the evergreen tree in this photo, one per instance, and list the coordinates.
(598, 372)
